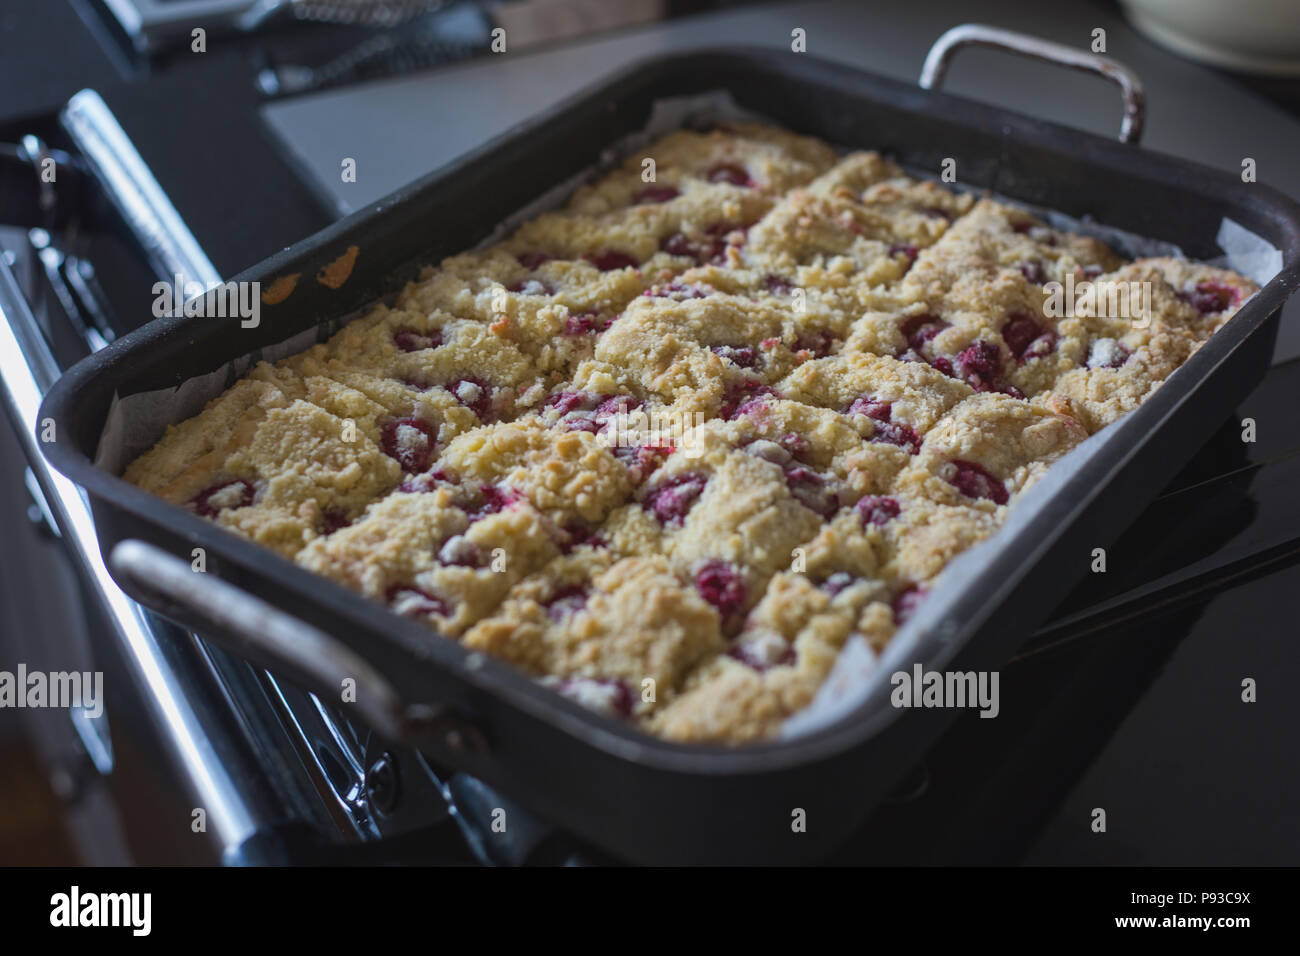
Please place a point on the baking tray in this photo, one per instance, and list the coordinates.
(641, 798)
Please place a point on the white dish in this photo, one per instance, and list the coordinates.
(1252, 36)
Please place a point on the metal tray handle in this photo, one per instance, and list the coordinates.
(977, 34)
(249, 627)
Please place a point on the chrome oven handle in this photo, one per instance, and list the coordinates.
(977, 34)
(253, 629)
(27, 367)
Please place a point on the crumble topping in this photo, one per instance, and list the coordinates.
(668, 448)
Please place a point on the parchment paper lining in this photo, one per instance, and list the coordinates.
(135, 423)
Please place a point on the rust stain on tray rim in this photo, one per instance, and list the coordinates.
(280, 289)
(336, 273)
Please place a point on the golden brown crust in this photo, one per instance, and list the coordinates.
(668, 448)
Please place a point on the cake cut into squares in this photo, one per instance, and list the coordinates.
(669, 448)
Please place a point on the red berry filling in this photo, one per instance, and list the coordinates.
(906, 602)
(427, 481)
(213, 500)
(818, 341)
(566, 602)
(908, 252)
(979, 365)
(719, 583)
(531, 260)
(837, 582)
(811, 491)
(655, 194)
(409, 442)
(896, 433)
(732, 173)
(672, 498)
(1034, 272)
(576, 535)
(1210, 297)
(876, 510)
(585, 323)
(975, 481)
(743, 396)
(920, 329)
(333, 519)
(408, 340)
(789, 447)
(678, 244)
(496, 498)
(587, 411)
(474, 394)
(796, 445)
(410, 601)
(614, 405)
(870, 406)
(565, 402)
(608, 260)
(1026, 338)
(641, 460)
(777, 285)
(744, 356)
(583, 422)
(531, 287)
(768, 451)
(708, 250)
(886, 430)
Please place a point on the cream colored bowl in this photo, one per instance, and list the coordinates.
(1254, 36)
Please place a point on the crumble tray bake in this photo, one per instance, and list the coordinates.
(667, 449)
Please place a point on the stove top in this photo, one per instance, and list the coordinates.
(1130, 699)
